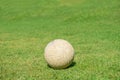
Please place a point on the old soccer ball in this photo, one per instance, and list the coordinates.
(59, 54)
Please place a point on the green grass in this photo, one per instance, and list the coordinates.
(91, 26)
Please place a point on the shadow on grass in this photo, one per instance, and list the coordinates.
(72, 65)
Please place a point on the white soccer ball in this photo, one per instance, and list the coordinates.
(59, 54)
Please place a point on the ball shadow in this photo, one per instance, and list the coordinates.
(72, 65)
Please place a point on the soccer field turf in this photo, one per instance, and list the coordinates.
(91, 26)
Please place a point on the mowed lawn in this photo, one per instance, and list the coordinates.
(91, 26)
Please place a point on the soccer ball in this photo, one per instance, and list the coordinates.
(59, 54)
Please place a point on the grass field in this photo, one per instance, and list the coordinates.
(91, 26)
